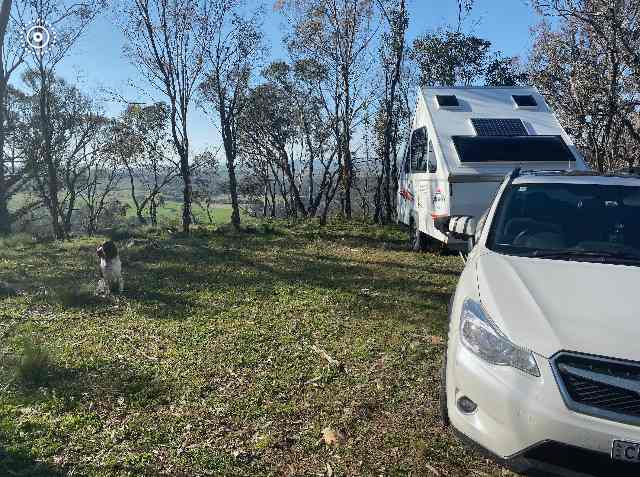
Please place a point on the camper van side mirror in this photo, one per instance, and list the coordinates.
(431, 166)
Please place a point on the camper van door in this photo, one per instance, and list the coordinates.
(405, 197)
(414, 189)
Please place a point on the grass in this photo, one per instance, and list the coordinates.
(278, 352)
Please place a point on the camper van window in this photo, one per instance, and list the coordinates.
(419, 141)
(432, 163)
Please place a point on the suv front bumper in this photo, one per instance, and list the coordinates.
(517, 415)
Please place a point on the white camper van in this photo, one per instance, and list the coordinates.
(463, 142)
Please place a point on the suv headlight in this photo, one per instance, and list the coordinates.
(480, 335)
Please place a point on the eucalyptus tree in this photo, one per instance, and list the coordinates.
(13, 52)
(141, 140)
(167, 41)
(235, 48)
(70, 20)
(73, 124)
(338, 34)
(101, 175)
(587, 63)
(392, 111)
(268, 128)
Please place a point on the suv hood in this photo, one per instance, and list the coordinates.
(553, 305)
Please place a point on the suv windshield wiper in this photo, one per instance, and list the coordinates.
(589, 254)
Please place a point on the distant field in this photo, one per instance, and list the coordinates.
(169, 213)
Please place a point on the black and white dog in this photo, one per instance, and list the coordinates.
(111, 267)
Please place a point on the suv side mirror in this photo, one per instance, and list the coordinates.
(462, 227)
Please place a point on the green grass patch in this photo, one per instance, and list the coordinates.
(229, 353)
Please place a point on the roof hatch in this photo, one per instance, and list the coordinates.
(526, 101)
(447, 101)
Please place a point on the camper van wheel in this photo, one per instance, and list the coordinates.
(417, 239)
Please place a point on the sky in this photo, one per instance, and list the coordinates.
(96, 62)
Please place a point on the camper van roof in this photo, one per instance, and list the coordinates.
(478, 87)
(487, 130)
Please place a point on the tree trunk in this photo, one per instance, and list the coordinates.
(68, 216)
(230, 150)
(265, 198)
(153, 211)
(187, 194)
(91, 226)
(141, 219)
(293, 188)
(5, 218)
(347, 177)
(390, 119)
(272, 192)
(377, 199)
(233, 191)
(346, 143)
(52, 200)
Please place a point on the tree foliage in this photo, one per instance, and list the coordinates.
(454, 58)
(588, 67)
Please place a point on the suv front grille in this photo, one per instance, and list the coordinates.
(600, 387)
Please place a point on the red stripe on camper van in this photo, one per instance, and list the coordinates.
(406, 194)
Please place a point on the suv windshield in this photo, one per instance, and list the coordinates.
(585, 222)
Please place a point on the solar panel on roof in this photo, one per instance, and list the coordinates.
(512, 149)
(447, 100)
(498, 127)
(524, 100)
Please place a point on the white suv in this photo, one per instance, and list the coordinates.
(544, 337)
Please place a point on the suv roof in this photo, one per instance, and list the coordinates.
(577, 177)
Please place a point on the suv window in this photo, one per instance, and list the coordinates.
(575, 221)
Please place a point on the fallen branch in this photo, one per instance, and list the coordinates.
(325, 355)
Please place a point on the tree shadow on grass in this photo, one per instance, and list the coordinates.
(240, 269)
(103, 384)
(388, 264)
(161, 279)
(17, 465)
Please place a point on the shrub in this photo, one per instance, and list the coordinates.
(122, 232)
(16, 240)
(35, 363)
